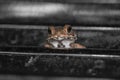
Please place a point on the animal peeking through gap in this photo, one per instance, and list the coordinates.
(62, 38)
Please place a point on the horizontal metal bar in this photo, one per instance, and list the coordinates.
(19, 77)
(102, 28)
(56, 54)
(69, 1)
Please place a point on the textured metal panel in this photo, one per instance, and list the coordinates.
(47, 62)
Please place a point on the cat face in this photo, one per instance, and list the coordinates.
(61, 37)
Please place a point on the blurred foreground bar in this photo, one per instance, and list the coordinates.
(70, 1)
(14, 77)
(46, 12)
(52, 62)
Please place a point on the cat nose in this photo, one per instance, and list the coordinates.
(60, 38)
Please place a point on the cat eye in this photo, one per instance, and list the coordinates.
(49, 31)
(69, 29)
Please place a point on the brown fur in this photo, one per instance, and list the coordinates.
(62, 32)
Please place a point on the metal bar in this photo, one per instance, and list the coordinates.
(71, 1)
(56, 54)
(46, 51)
(102, 28)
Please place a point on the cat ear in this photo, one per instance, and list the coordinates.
(51, 30)
(68, 28)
